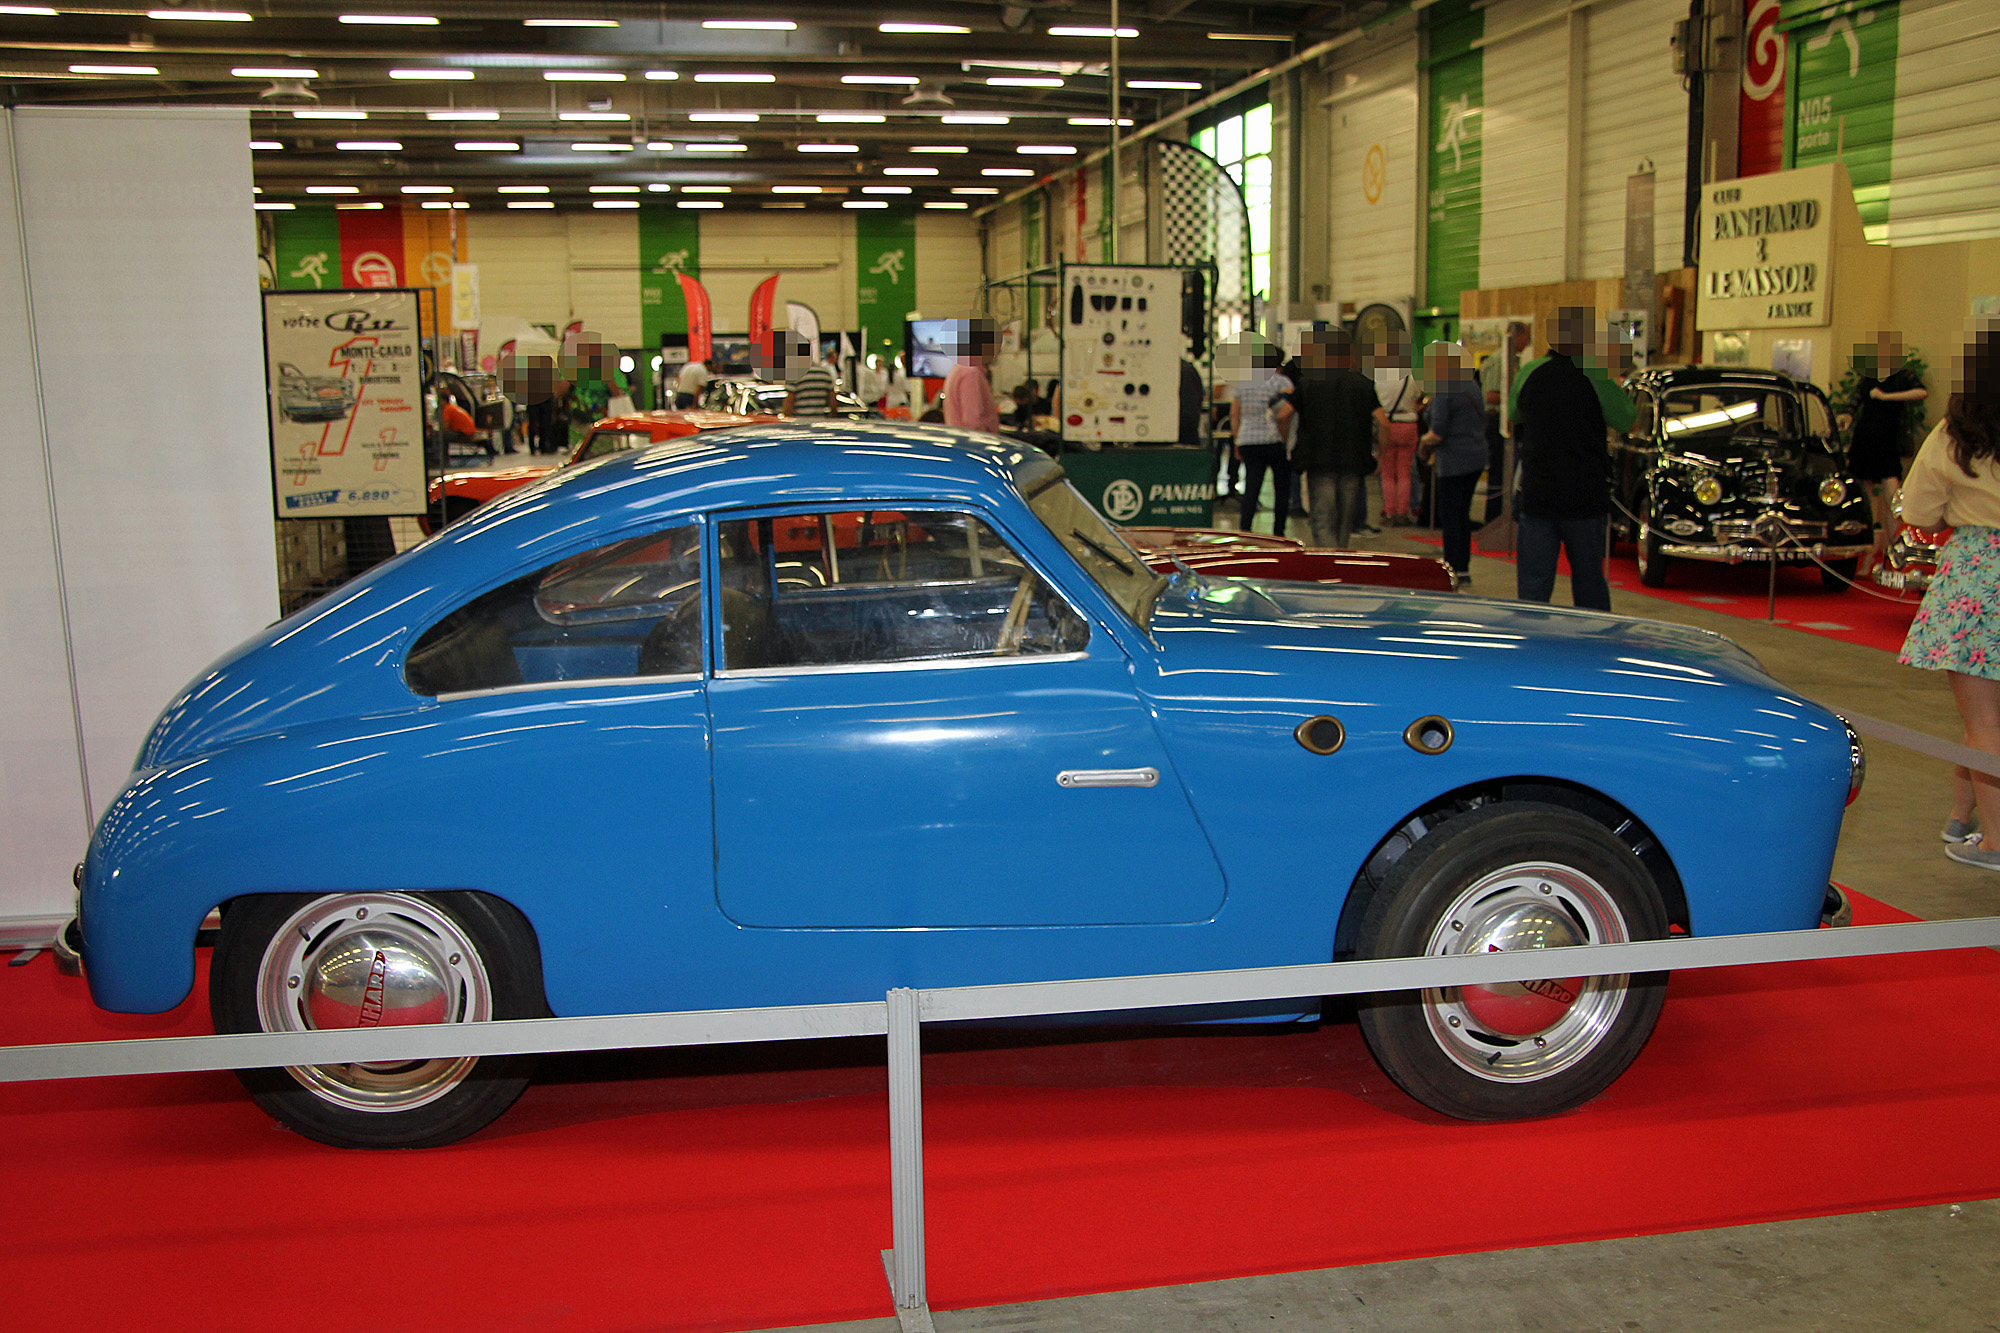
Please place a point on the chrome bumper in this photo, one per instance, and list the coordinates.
(1737, 553)
(66, 948)
(1903, 580)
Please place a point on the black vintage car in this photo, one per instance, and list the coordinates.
(1739, 466)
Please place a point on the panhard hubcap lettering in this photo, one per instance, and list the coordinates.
(1525, 1031)
(373, 960)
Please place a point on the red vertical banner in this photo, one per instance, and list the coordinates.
(760, 318)
(1761, 136)
(701, 330)
(371, 247)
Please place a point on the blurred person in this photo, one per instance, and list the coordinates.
(1563, 403)
(619, 404)
(1189, 434)
(1955, 482)
(688, 385)
(968, 390)
(1256, 421)
(1875, 445)
(1493, 382)
(1456, 443)
(811, 391)
(1401, 398)
(1340, 418)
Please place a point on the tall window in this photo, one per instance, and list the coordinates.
(1242, 144)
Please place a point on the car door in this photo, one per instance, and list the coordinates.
(564, 764)
(913, 729)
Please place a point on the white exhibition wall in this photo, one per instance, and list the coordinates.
(136, 540)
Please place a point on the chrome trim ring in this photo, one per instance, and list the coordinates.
(373, 960)
(1521, 1032)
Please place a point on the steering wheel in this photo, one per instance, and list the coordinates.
(1015, 627)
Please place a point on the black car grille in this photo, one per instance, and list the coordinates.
(1746, 530)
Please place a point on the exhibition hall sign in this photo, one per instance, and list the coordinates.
(1767, 248)
(345, 377)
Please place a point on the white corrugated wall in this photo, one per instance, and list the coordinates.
(1945, 177)
(1634, 109)
(517, 275)
(812, 252)
(604, 274)
(1525, 138)
(948, 273)
(1373, 106)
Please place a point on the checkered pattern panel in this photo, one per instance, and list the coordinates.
(1204, 221)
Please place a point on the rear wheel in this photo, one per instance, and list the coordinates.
(1517, 875)
(297, 963)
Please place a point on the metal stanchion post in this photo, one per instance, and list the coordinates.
(905, 1262)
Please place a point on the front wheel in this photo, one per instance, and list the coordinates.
(1516, 875)
(297, 963)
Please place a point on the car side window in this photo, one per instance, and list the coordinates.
(855, 587)
(1819, 418)
(632, 608)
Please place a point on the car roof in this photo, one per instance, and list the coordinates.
(819, 461)
(1677, 377)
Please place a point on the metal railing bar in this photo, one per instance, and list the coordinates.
(527, 1036)
(521, 1036)
(1029, 999)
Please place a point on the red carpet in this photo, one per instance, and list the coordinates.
(740, 1188)
(1870, 616)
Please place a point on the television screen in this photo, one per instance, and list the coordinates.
(931, 346)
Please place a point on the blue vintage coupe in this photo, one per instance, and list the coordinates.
(826, 709)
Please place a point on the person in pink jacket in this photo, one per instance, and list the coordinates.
(968, 390)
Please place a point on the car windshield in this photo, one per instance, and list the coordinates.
(1719, 418)
(1099, 547)
(602, 442)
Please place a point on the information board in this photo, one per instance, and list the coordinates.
(344, 373)
(1766, 249)
(1121, 357)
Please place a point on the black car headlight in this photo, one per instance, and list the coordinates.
(1832, 491)
(1705, 489)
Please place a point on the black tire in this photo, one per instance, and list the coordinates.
(463, 956)
(1652, 560)
(1487, 1053)
(1838, 575)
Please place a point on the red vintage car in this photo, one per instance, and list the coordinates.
(456, 494)
(1261, 555)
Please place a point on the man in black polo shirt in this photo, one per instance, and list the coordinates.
(1340, 418)
(1563, 404)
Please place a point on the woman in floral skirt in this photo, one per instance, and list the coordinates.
(1955, 482)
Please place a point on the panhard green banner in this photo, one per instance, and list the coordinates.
(1173, 486)
(308, 247)
(669, 244)
(885, 276)
(1844, 93)
(1456, 102)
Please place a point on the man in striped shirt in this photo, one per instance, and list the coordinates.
(812, 384)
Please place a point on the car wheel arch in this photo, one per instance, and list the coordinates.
(1423, 821)
(522, 917)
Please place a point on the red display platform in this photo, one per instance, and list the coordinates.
(736, 1188)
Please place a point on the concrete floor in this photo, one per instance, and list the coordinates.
(1931, 1268)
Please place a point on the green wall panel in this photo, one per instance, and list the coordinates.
(1456, 100)
(308, 246)
(1843, 99)
(885, 274)
(669, 243)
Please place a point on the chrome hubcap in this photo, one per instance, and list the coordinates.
(1523, 1031)
(373, 960)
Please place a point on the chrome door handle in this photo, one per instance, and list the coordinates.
(1108, 777)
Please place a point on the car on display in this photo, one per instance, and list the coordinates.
(303, 397)
(1260, 555)
(1738, 466)
(1911, 561)
(748, 395)
(453, 495)
(851, 706)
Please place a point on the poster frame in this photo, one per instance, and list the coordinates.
(426, 358)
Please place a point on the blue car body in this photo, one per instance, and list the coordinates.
(724, 838)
